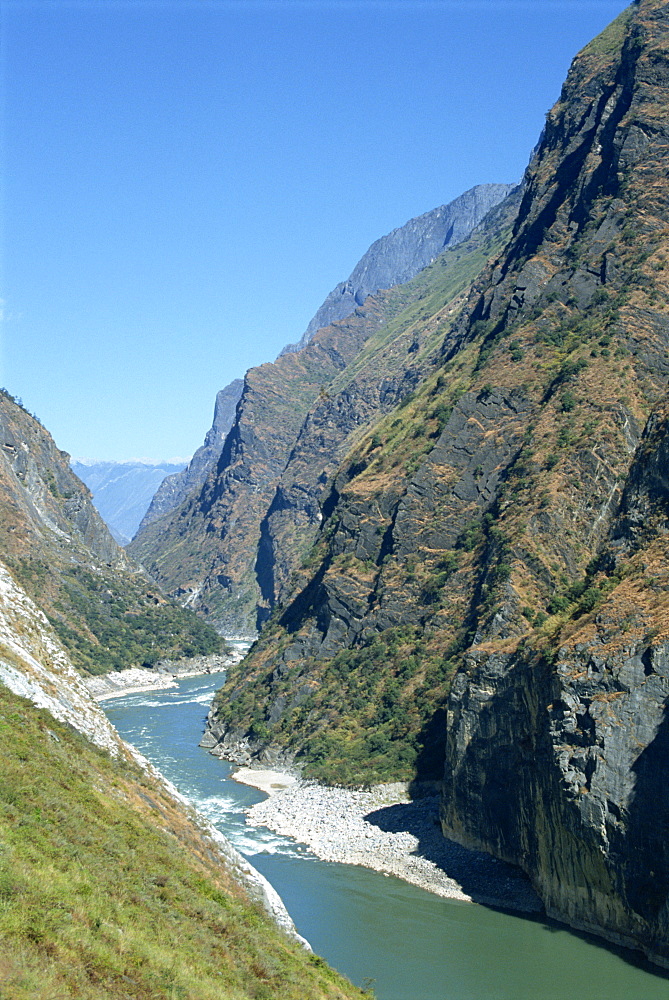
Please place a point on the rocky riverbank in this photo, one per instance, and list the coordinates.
(164, 675)
(383, 829)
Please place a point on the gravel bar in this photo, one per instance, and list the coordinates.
(384, 830)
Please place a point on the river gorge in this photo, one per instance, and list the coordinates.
(404, 942)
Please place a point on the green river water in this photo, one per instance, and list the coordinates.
(407, 943)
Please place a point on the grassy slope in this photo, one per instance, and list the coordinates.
(107, 889)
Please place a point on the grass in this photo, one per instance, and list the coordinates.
(109, 889)
(610, 41)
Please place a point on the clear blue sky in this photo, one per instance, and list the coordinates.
(185, 180)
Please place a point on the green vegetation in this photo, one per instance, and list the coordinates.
(110, 622)
(371, 708)
(610, 41)
(108, 889)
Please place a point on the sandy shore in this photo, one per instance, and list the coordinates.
(267, 781)
(383, 830)
(136, 680)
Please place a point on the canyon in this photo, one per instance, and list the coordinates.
(460, 542)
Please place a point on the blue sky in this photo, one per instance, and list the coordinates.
(184, 181)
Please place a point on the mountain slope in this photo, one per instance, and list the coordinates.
(214, 552)
(398, 257)
(122, 491)
(394, 259)
(502, 537)
(110, 884)
(205, 550)
(108, 614)
(176, 487)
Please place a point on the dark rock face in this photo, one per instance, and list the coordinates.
(557, 754)
(178, 485)
(558, 761)
(398, 257)
(562, 769)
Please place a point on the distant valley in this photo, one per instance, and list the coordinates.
(123, 491)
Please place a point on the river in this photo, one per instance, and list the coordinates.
(407, 943)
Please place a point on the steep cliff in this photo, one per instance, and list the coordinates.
(176, 487)
(214, 552)
(502, 536)
(557, 754)
(392, 260)
(401, 255)
(108, 614)
(394, 362)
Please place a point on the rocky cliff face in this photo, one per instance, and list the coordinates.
(177, 486)
(204, 552)
(557, 753)
(490, 567)
(398, 257)
(392, 260)
(108, 614)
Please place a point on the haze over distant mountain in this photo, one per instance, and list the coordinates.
(122, 491)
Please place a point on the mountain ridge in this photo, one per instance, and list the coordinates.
(398, 257)
(214, 568)
(391, 260)
(123, 491)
